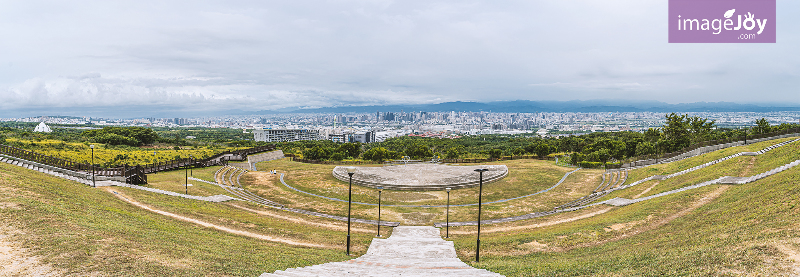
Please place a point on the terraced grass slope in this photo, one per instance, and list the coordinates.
(718, 230)
(525, 177)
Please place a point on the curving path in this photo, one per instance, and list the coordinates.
(409, 251)
(430, 206)
(246, 195)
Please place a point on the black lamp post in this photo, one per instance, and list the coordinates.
(186, 172)
(480, 192)
(448, 213)
(380, 190)
(350, 171)
(191, 169)
(94, 183)
(155, 161)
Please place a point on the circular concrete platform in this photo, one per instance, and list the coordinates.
(421, 176)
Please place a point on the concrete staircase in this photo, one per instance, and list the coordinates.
(409, 251)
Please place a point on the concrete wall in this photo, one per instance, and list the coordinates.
(263, 157)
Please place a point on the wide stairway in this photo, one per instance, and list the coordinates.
(409, 251)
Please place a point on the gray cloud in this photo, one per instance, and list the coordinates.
(263, 55)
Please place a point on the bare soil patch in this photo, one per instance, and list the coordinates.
(749, 168)
(15, 261)
(792, 251)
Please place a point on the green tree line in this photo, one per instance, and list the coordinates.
(678, 131)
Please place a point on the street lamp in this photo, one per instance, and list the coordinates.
(448, 214)
(94, 183)
(380, 189)
(191, 169)
(480, 192)
(186, 172)
(350, 171)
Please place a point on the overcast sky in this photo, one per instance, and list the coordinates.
(263, 55)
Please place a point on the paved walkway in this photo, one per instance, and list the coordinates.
(410, 251)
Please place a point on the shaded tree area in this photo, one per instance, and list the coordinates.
(131, 136)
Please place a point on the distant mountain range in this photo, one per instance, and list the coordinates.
(518, 106)
(590, 106)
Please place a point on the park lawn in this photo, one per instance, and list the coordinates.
(525, 177)
(86, 231)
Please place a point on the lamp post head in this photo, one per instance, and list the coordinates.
(447, 189)
(91, 146)
(481, 170)
(380, 188)
(351, 170)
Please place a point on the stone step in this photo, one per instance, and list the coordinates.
(409, 251)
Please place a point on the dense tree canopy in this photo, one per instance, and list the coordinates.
(132, 136)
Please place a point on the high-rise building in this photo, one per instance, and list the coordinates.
(276, 135)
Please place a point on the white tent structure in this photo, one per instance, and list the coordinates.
(42, 128)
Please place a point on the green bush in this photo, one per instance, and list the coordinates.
(380, 154)
(337, 156)
(317, 153)
(114, 139)
(587, 164)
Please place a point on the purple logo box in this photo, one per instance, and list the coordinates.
(722, 21)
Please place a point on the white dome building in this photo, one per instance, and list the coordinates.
(42, 128)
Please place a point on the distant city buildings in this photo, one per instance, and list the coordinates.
(281, 135)
(381, 125)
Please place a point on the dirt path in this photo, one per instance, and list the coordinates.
(791, 251)
(331, 226)
(214, 226)
(646, 190)
(697, 204)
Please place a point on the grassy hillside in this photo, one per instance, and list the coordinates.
(719, 230)
(84, 231)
